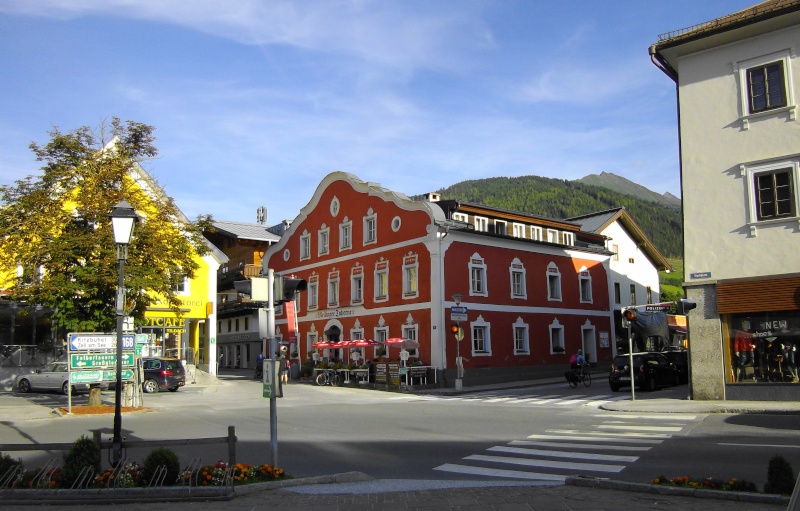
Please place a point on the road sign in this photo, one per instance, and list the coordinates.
(458, 313)
(98, 341)
(87, 360)
(658, 307)
(98, 375)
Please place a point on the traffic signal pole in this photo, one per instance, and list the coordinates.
(273, 348)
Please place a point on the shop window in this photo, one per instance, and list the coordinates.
(761, 347)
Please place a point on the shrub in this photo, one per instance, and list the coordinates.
(780, 476)
(83, 453)
(159, 457)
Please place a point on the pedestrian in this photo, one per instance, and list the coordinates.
(285, 372)
(259, 366)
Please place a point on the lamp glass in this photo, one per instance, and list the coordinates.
(457, 298)
(123, 229)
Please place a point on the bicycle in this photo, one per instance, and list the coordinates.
(329, 377)
(579, 375)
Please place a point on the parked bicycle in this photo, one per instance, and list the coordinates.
(329, 377)
(579, 375)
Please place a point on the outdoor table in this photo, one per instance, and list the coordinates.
(420, 372)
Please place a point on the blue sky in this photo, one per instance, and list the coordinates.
(256, 101)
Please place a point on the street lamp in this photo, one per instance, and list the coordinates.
(123, 217)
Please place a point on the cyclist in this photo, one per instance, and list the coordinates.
(578, 362)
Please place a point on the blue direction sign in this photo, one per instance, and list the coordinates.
(458, 313)
(88, 360)
(97, 341)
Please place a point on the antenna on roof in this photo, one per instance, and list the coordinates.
(261, 215)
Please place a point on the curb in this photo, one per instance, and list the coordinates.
(164, 494)
(762, 498)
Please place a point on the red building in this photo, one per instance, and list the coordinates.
(381, 265)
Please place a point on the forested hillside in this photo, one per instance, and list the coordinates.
(558, 198)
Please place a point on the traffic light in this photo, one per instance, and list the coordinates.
(629, 314)
(683, 306)
(457, 331)
(454, 328)
(284, 288)
(257, 288)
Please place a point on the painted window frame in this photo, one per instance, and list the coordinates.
(518, 275)
(553, 276)
(481, 331)
(521, 337)
(370, 228)
(536, 233)
(345, 235)
(357, 286)
(481, 223)
(585, 285)
(381, 289)
(324, 241)
(742, 71)
(556, 336)
(305, 246)
(410, 277)
(333, 289)
(477, 274)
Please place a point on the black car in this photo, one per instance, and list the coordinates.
(162, 374)
(680, 358)
(650, 371)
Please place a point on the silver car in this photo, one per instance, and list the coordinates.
(53, 376)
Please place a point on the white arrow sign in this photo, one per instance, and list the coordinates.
(97, 341)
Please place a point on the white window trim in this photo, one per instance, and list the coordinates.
(324, 240)
(557, 274)
(480, 265)
(498, 223)
(313, 295)
(552, 236)
(487, 341)
(518, 267)
(407, 294)
(749, 172)
(526, 337)
(380, 334)
(569, 238)
(345, 227)
(414, 330)
(536, 233)
(461, 217)
(377, 297)
(481, 224)
(740, 68)
(333, 289)
(355, 300)
(518, 230)
(584, 275)
(553, 327)
(370, 217)
(305, 246)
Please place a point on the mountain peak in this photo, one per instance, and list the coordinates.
(624, 186)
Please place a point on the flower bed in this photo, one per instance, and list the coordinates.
(708, 483)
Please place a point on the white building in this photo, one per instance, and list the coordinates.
(737, 79)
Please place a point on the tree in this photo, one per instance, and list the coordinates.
(55, 227)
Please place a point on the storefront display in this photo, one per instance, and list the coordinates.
(761, 347)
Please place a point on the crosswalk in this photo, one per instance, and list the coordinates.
(600, 450)
(593, 401)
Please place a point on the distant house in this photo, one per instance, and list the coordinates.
(737, 83)
(241, 322)
(634, 265)
(380, 265)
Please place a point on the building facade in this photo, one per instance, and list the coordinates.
(380, 265)
(740, 169)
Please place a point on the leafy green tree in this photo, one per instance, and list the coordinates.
(55, 227)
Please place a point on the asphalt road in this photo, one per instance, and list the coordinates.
(542, 432)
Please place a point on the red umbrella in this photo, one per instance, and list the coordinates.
(399, 342)
(365, 343)
(322, 344)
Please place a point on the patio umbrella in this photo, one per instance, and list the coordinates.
(399, 342)
(322, 344)
(365, 343)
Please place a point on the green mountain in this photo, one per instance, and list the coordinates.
(560, 199)
(624, 186)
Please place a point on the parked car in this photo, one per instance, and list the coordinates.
(650, 371)
(53, 376)
(680, 358)
(162, 374)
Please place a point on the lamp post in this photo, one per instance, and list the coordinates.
(123, 217)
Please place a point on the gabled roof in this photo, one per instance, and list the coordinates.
(245, 231)
(598, 222)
